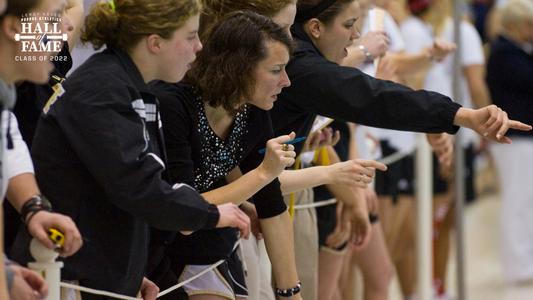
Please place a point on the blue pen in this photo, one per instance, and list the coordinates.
(291, 142)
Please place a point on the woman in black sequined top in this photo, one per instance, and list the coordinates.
(214, 127)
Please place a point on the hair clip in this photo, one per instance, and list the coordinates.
(112, 5)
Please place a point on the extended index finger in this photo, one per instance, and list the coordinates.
(373, 164)
(519, 125)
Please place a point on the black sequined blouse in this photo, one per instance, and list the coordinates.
(218, 156)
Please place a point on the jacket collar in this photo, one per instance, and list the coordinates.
(526, 47)
(305, 44)
(131, 69)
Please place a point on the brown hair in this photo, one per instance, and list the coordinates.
(214, 10)
(224, 69)
(19, 7)
(130, 20)
(328, 15)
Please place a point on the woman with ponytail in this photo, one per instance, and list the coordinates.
(99, 153)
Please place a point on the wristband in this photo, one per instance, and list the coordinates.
(289, 292)
(32, 206)
(369, 58)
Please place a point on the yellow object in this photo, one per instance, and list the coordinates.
(58, 91)
(292, 200)
(291, 205)
(57, 237)
(322, 157)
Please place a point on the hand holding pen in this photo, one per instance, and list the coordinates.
(279, 154)
(291, 142)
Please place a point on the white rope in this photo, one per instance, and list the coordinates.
(315, 204)
(96, 292)
(396, 156)
(161, 294)
(211, 267)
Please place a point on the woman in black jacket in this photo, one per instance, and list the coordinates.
(323, 30)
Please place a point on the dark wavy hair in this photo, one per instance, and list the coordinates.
(224, 69)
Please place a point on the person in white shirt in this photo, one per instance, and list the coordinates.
(431, 21)
(375, 261)
(17, 179)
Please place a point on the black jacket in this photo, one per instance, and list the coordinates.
(319, 86)
(99, 157)
(510, 80)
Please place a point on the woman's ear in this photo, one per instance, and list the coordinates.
(315, 28)
(154, 42)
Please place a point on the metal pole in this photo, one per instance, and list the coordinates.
(459, 157)
(424, 204)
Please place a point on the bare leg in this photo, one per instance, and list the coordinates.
(442, 241)
(347, 279)
(398, 225)
(330, 264)
(376, 265)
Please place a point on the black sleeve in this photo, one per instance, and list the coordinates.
(110, 141)
(269, 200)
(177, 125)
(347, 94)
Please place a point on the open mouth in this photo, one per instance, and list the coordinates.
(189, 65)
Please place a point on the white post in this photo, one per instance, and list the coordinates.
(424, 204)
(47, 266)
(459, 157)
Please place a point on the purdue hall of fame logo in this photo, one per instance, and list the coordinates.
(40, 37)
